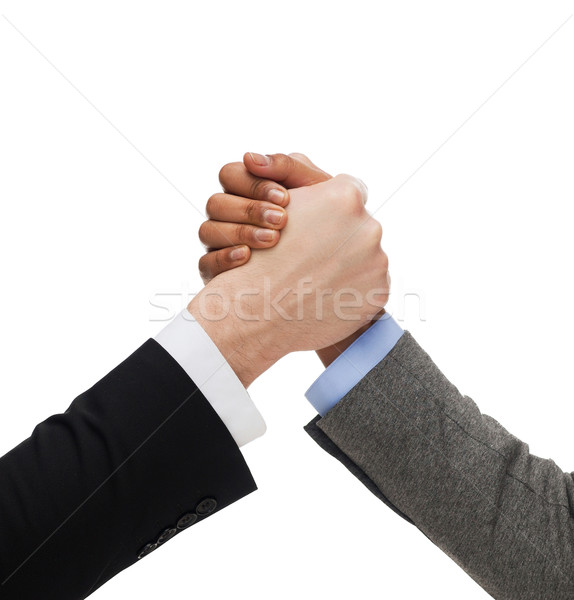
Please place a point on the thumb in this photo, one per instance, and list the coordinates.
(291, 170)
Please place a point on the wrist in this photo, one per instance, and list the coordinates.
(244, 338)
(330, 353)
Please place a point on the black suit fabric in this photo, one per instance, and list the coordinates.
(138, 458)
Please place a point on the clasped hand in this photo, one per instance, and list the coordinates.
(294, 263)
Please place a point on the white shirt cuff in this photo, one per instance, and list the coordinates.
(188, 343)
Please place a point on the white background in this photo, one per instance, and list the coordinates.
(90, 232)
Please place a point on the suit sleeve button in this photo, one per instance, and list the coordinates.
(187, 521)
(147, 549)
(206, 507)
(166, 535)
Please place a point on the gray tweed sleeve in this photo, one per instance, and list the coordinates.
(501, 513)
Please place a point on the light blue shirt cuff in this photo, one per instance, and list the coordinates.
(353, 364)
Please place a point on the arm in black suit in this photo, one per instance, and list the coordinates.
(133, 461)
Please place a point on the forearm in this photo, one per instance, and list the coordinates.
(241, 333)
(501, 513)
(93, 486)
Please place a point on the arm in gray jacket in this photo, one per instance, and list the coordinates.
(501, 513)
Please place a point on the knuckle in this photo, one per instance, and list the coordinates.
(385, 261)
(375, 230)
(354, 194)
(203, 233)
(243, 233)
(257, 188)
(382, 268)
(283, 162)
(279, 157)
(384, 265)
(218, 262)
(299, 156)
(351, 192)
(213, 204)
(229, 170)
(204, 267)
(252, 210)
(354, 200)
(224, 172)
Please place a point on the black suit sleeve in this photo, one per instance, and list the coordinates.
(138, 458)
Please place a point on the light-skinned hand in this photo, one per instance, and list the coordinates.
(326, 279)
(236, 214)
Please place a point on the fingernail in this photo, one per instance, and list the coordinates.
(237, 254)
(273, 216)
(276, 196)
(259, 159)
(264, 235)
